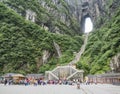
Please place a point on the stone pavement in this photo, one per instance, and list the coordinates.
(60, 89)
(101, 89)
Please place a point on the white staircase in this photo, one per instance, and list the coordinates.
(78, 55)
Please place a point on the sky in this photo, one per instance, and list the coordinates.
(88, 25)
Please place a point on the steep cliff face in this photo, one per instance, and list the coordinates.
(97, 10)
(115, 63)
(103, 46)
(66, 18)
(104, 10)
(27, 47)
(54, 15)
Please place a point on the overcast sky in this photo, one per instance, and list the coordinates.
(88, 25)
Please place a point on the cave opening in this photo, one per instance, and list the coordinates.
(88, 25)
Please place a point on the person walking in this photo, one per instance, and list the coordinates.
(78, 85)
(5, 82)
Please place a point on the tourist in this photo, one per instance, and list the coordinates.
(5, 82)
(78, 85)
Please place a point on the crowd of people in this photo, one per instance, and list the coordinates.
(36, 82)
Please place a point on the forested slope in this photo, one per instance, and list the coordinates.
(103, 44)
(54, 14)
(22, 43)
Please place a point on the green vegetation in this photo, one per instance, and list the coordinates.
(22, 43)
(48, 14)
(102, 45)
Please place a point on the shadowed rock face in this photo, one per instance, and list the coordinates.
(79, 10)
(115, 63)
(97, 10)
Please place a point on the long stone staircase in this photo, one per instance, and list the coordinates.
(78, 55)
(69, 71)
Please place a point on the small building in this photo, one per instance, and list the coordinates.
(15, 77)
(18, 77)
(35, 76)
(107, 78)
(1, 79)
(8, 76)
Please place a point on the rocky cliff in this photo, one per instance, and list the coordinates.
(65, 16)
(53, 34)
(27, 47)
(97, 10)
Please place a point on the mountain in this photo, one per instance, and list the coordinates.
(38, 35)
(26, 46)
(102, 51)
(55, 15)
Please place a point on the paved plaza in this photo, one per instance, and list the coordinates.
(60, 89)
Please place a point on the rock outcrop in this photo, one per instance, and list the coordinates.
(56, 14)
(115, 63)
(57, 47)
(97, 10)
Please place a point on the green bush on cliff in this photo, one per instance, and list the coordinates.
(23, 41)
(102, 45)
